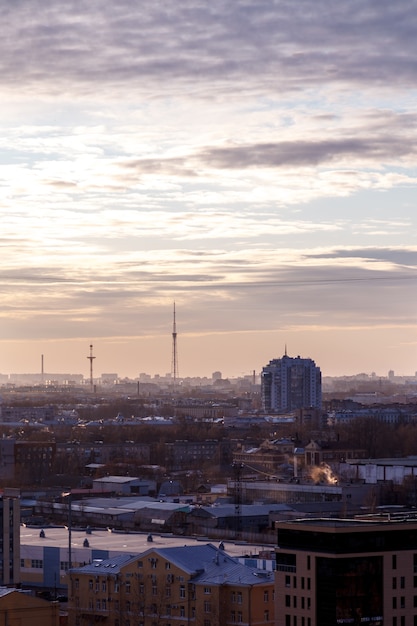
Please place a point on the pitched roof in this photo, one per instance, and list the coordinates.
(106, 566)
(191, 559)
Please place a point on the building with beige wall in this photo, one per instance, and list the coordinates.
(199, 585)
(20, 609)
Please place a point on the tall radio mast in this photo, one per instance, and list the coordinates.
(174, 362)
(91, 359)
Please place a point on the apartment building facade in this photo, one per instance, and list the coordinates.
(199, 585)
(334, 572)
(10, 537)
(289, 384)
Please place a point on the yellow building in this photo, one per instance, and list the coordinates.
(18, 608)
(199, 585)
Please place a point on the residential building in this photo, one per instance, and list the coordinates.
(21, 609)
(10, 537)
(346, 571)
(268, 457)
(288, 384)
(201, 585)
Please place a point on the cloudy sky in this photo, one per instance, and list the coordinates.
(253, 161)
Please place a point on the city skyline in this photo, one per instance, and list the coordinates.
(255, 163)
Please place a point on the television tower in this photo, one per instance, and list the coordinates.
(91, 359)
(174, 362)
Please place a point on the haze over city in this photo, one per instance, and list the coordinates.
(255, 162)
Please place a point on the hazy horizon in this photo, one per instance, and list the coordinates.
(255, 162)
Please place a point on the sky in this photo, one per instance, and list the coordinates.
(252, 161)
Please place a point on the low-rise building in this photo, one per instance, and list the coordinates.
(21, 609)
(189, 584)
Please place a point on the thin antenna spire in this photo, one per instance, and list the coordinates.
(174, 362)
(285, 353)
(91, 359)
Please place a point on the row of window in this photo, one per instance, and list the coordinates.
(305, 582)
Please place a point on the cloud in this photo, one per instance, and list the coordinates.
(136, 47)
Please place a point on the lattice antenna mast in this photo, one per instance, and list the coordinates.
(91, 359)
(174, 362)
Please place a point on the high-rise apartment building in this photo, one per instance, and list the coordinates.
(291, 383)
(10, 537)
(350, 571)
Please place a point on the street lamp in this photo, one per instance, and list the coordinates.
(68, 495)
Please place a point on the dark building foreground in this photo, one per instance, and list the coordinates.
(332, 572)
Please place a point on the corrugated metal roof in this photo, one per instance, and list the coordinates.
(107, 566)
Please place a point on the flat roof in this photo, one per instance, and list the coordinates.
(132, 543)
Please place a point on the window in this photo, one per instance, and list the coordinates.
(402, 602)
(288, 581)
(294, 582)
(239, 617)
(182, 591)
(308, 562)
(104, 604)
(302, 582)
(266, 616)
(207, 622)
(154, 590)
(167, 565)
(22, 562)
(309, 583)
(97, 586)
(207, 589)
(287, 600)
(266, 595)
(182, 611)
(288, 620)
(167, 592)
(233, 616)
(295, 602)
(77, 583)
(394, 602)
(128, 586)
(140, 563)
(239, 597)
(116, 587)
(233, 596)
(394, 561)
(103, 585)
(128, 606)
(394, 583)
(402, 582)
(207, 606)
(98, 605)
(36, 563)
(302, 602)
